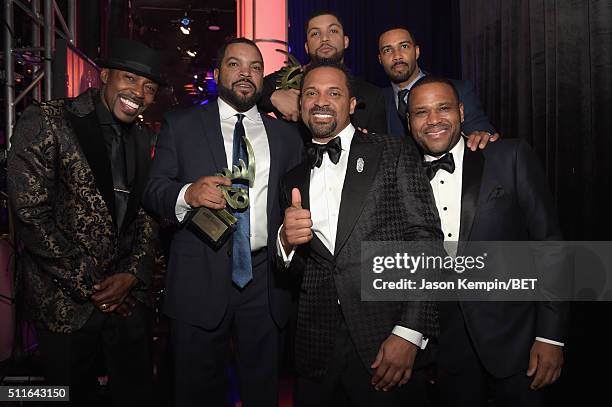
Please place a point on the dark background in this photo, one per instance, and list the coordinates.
(542, 68)
(434, 23)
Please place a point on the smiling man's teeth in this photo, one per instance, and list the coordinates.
(437, 131)
(130, 103)
(322, 115)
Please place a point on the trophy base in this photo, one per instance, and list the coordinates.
(214, 226)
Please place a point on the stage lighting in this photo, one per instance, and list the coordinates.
(185, 21)
(184, 24)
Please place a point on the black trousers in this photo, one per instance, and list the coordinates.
(202, 357)
(348, 383)
(462, 379)
(123, 342)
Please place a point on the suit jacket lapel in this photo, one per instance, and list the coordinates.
(273, 174)
(395, 125)
(473, 162)
(89, 135)
(212, 130)
(356, 186)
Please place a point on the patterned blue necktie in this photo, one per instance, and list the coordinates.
(242, 271)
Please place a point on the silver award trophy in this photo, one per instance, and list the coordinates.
(216, 225)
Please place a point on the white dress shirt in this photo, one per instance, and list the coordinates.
(326, 183)
(446, 189)
(258, 192)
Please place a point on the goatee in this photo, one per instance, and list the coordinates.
(237, 100)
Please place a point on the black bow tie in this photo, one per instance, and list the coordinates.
(445, 163)
(315, 152)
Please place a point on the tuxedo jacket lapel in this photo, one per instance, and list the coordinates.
(356, 186)
(473, 163)
(299, 178)
(89, 135)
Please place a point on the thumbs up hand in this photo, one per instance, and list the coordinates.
(297, 225)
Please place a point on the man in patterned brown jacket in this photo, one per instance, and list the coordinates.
(76, 172)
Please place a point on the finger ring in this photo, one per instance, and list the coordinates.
(103, 306)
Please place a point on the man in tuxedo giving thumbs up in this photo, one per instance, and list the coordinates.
(352, 188)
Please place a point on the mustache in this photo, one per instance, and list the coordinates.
(244, 80)
(399, 63)
(323, 110)
(325, 45)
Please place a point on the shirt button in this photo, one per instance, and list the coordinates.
(450, 235)
(444, 208)
(441, 181)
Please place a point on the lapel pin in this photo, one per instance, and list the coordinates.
(360, 164)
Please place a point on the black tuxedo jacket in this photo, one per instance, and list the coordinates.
(190, 145)
(369, 113)
(61, 192)
(475, 118)
(505, 198)
(390, 200)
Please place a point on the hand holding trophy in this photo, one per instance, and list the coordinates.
(209, 195)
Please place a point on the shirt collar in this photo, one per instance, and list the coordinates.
(346, 137)
(397, 88)
(226, 111)
(456, 151)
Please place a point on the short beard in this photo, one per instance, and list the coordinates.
(399, 77)
(321, 130)
(337, 58)
(236, 100)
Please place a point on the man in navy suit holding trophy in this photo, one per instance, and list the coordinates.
(216, 289)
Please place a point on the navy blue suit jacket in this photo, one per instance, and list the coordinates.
(190, 146)
(474, 117)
